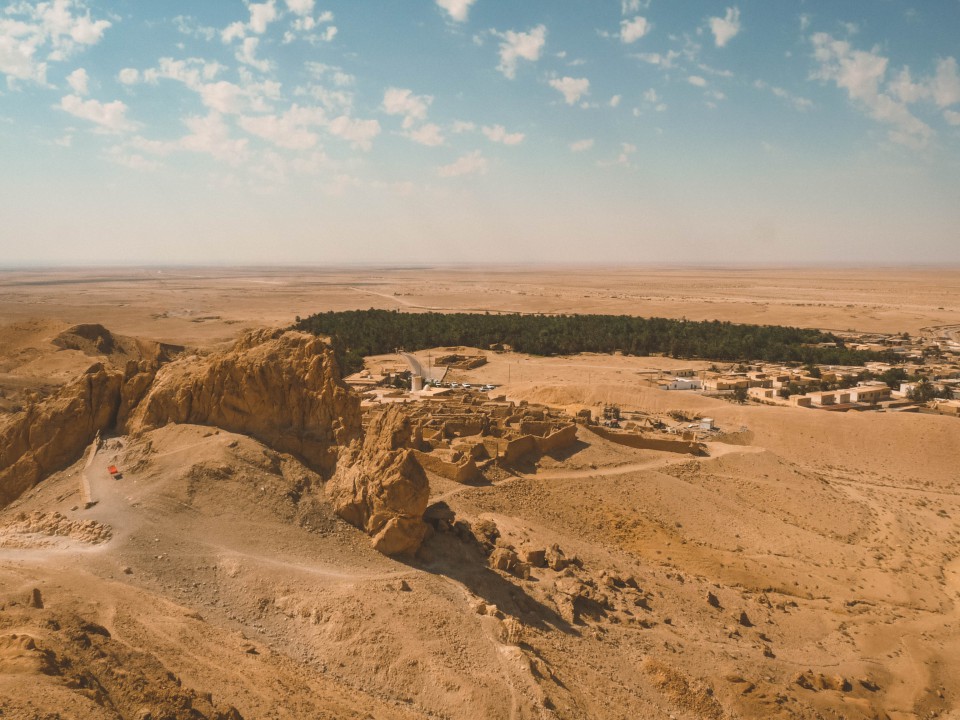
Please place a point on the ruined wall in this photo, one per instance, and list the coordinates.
(645, 442)
(462, 470)
(561, 438)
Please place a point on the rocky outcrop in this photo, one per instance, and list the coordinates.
(95, 340)
(283, 388)
(50, 435)
(380, 487)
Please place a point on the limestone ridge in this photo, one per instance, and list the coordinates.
(380, 487)
(282, 388)
(50, 435)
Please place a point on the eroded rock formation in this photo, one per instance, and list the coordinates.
(49, 435)
(283, 388)
(381, 488)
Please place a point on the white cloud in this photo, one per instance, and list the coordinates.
(470, 164)
(131, 160)
(359, 133)
(129, 76)
(18, 54)
(572, 88)
(187, 25)
(664, 61)
(462, 126)
(903, 87)
(247, 54)
(581, 145)
(402, 101)
(224, 97)
(499, 134)
(306, 24)
(458, 9)
(632, 30)
(715, 71)
(861, 74)
(520, 46)
(110, 117)
(632, 7)
(946, 83)
(300, 7)
(79, 81)
(697, 80)
(338, 101)
(335, 99)
(210, 135)
(627, 150)
(261, 15)
(335, 73)
(428, 134)
(726, 28)
(651, 95)
(798, 102)
(289, 130)
(34, 34)
(952, 117)
(233, 31)
(615, 100)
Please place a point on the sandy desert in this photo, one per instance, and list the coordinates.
(805, 565)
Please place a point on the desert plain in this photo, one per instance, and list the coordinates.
(805, 565)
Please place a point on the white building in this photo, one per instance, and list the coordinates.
(682, 384)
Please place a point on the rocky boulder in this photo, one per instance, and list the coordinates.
(380, 487)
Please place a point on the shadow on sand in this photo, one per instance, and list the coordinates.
(465, 562)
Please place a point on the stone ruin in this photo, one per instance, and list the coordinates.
(460, 434)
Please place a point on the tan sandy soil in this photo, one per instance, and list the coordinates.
(198, 306)
(808, 568)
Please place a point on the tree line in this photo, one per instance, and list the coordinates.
(357, 333)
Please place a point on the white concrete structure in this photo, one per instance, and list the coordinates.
(682, 384)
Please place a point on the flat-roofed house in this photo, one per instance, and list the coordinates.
(869, 393)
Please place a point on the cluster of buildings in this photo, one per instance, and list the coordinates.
(938, 362)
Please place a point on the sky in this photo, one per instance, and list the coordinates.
(291, 132)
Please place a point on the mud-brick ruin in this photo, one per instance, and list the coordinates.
(460, 434)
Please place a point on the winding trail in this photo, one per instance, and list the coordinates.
(717, 450)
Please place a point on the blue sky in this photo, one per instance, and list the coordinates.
(446, 131)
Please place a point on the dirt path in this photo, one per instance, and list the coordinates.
(717, 450)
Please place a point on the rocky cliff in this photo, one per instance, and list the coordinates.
(283, 388)
(381, 488)
(50, 435)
